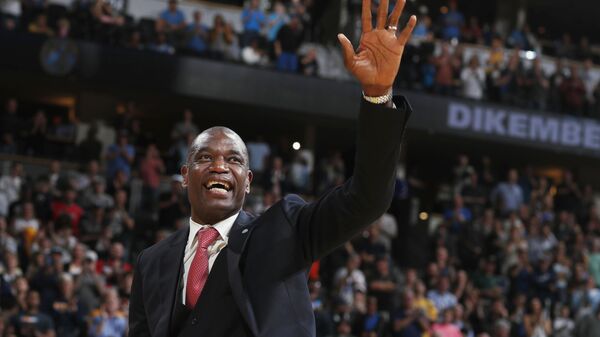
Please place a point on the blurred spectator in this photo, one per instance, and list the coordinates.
(151, 168)
(473, 80)
(350, 279)
(105, 14)
(537, 322)
(538, 85)
(135, 41)
(259, 152)
(37, 135)
(171, 20)
(108, 320)
(371, 323)
(27, 222)
(253, 20)
(172, 204)
(185, 127)
(590, 83)
(441, 297)
(90, 148)
(162, 45)
(447, 327)
(383, 284)
(508, 196)
(120, 156)
(472, 32)
(286, 45)
(254, 55)
(61, 137)
(66, 310)
(458, 216)
(31, 322)
(40, 26)
(224, 44)
(452, 21)
(198, 35)
(563, 324)
(10, 185)
(445, 65)
(308, 63)
(69, 207)
(97, 197)
(274, 21)
(564, 47)
(573, 92)
(11, 120)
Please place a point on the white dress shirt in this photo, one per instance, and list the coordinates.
(223, 228)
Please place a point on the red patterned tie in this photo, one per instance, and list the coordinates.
(198, 272)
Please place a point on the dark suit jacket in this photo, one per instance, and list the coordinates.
(268, 256)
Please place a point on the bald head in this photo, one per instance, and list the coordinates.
(205, 136)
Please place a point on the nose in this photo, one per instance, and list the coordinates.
(219, 165)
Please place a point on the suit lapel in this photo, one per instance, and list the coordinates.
(170, 265)
(238, 236)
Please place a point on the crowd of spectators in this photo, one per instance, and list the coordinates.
(515, 257)
(511, 72)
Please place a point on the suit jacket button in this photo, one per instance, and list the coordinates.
(194, 321)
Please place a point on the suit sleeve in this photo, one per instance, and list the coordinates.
(138, 322)
(346, 210)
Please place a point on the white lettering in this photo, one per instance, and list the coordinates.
(477, 119)
(517, 125)
(591, 136)
(459, 116)
(570, 133)
(494, 122)
(543, 129)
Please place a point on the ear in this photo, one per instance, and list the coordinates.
(184, 174)
(249, 180)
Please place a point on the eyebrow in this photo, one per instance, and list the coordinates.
(207, 149)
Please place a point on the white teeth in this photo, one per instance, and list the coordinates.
(212, 183)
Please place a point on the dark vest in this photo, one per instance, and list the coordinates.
(216, 314)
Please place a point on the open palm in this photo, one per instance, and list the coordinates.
(376, 62)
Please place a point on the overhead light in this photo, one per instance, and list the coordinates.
(296, 146)
(423, 216)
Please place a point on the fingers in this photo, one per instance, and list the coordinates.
(347, 50)
(367, 26)
(395, 16)
(407, 31)
(382, 14)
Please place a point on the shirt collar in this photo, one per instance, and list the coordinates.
(223, 227)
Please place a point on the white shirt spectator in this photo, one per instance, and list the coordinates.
(11, 7)
(350, 282)
(389, 230)
(3, 204)
(442, 301)
(21, 224)
(11, 186)
(473, 82)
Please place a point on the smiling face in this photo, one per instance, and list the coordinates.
(216, 175)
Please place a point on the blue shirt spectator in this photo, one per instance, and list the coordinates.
(173, 17)
(120, 157)
(253, 18)
(275, 21)
(453, 22)
(198, 34)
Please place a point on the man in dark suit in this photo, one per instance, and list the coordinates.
(232, 274)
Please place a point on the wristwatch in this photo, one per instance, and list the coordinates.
(378, 99)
